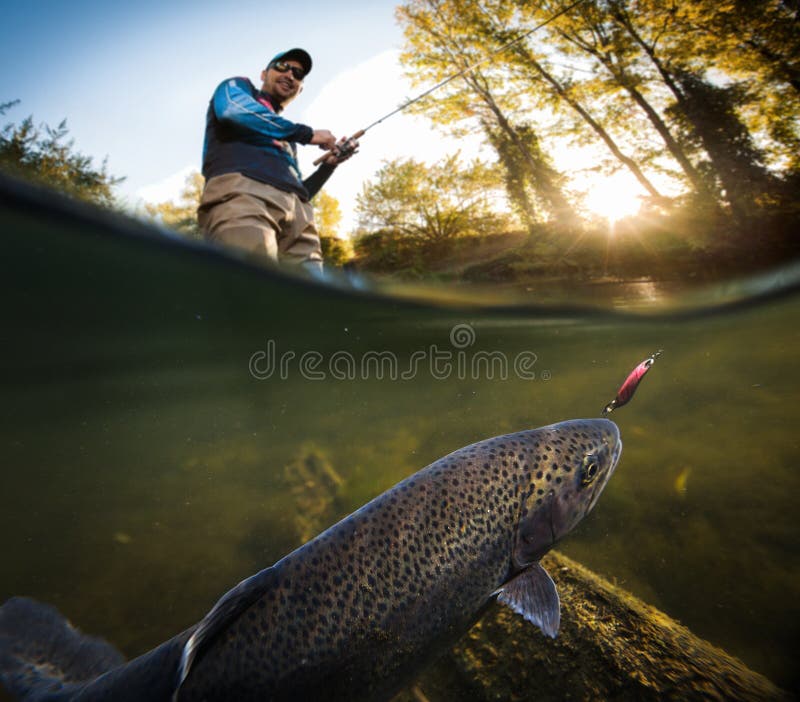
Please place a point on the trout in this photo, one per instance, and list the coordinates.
(357, 612)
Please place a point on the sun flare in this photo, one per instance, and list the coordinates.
(613, 198)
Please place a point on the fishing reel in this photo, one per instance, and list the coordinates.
(345, 150)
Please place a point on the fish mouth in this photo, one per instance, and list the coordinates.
(616, 455)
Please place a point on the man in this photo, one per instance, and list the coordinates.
(255, 198)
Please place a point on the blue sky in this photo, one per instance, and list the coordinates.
(134, 80)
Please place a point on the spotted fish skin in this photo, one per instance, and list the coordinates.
(357, 612)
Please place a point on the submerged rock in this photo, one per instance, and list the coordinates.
(611, 646)
(314, 485)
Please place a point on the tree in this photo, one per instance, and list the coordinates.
(443, 41)
(763, 54)
(588, 30)
(708, 111)
(328, 218)
(43, 154)
(432, 205)
(327, 214)
(702, 91)
(515, 173)
(182, 215)
(738, 163)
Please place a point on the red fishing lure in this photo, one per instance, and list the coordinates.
(626, 390)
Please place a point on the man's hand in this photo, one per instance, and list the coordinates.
(324, 139)
(343, 150)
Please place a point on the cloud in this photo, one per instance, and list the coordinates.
(167, 189)
(356, 98)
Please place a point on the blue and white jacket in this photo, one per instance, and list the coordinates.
(245, 134)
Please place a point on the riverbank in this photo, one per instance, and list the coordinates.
(666, 249)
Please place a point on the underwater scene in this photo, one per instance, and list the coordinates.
(175, 420)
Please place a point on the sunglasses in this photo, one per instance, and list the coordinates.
(283, 67)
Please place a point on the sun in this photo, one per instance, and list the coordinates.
(613, 198)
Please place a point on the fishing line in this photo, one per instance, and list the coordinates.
(343, 150)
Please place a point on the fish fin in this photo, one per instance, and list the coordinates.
(223, 613)
(41, 652)
(535, 534)
(533, 594)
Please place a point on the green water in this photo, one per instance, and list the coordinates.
(143, 463)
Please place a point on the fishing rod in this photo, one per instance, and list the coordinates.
(349, 144)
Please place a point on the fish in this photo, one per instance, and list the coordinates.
(628, 387)
(358, 611)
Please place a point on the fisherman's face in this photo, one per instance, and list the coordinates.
(282, 86)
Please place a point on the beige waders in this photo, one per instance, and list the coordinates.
(258, 218)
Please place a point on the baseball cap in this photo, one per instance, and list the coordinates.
(299, 55)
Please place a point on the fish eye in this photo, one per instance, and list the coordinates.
(590, 470)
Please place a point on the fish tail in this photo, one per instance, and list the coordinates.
(43, 657)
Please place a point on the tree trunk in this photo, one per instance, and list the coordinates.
(543, 177)
(624, 80)
(514, 177)
(736, 160)
(607, 139)
(711, 119)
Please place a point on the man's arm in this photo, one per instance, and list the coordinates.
(345, 149)
(233, 103)
(317, 179)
